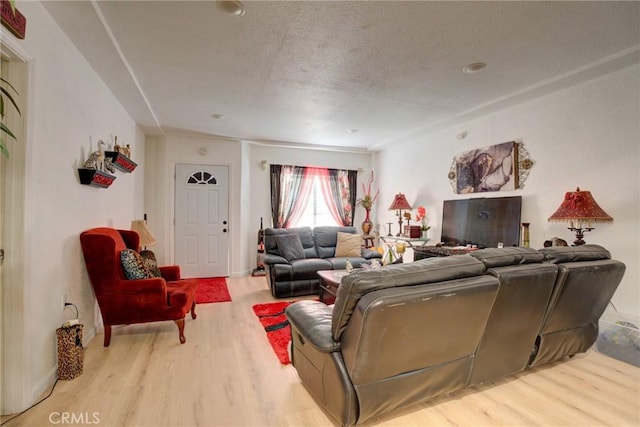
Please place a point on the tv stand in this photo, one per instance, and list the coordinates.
(422, 252)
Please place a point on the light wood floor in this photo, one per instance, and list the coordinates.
(227, 375)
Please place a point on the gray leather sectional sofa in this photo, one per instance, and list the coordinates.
(290, 274)
(407, 333)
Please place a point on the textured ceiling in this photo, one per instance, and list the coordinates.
(302, 72)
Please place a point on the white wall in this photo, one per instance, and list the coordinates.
(69, 110)
(163, 153)
(587, 135)
(249, 191)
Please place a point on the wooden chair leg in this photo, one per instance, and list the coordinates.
(107, 335)
(193, 311)
(180, 323)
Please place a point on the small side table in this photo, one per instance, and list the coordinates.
(368, 240)
(411, 242)
(329, 282)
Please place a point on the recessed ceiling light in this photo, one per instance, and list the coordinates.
(231, 7)
(218, 116)
(475, 67)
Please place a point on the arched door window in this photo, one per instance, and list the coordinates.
(202, 177)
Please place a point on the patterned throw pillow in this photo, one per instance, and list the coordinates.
(133, 265)
(149, 260)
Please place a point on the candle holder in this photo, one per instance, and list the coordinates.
(400, 249)
(579, 234)
(525, 234)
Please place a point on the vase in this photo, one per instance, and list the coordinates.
(423, 235)
(367, 225)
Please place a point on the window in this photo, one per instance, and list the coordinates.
(203, 178)
(317, 210)
(311, 196)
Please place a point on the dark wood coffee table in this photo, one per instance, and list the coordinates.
(329, 282)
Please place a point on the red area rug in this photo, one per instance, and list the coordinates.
(212, 289)
(276, 325)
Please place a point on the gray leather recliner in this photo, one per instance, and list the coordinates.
(295, 277)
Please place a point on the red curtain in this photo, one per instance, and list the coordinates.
(336, 194)
(291, 188)
(300, 202)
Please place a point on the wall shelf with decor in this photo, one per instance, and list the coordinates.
(95, 178)
(120, 161)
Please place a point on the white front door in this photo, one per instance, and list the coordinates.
(202, 220)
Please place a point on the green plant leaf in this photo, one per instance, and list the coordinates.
(3, 148)
(6, 129)
(12, 3)
(4, 92)
(8, 95)
(5, 81)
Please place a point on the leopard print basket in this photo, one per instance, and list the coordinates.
(70, 352)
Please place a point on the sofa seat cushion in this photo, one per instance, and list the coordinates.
(308, 268)
(360, 282)
(371, 254)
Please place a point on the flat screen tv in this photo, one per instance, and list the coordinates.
(485, 222)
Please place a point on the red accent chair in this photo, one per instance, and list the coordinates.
(123, 301)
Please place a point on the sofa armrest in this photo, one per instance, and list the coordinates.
(273, 259)
(370, 254)
(312, 319)
(170, 273)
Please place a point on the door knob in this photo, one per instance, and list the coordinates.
(224, 230)
(224, 222)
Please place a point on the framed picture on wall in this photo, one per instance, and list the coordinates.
(494, 168)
